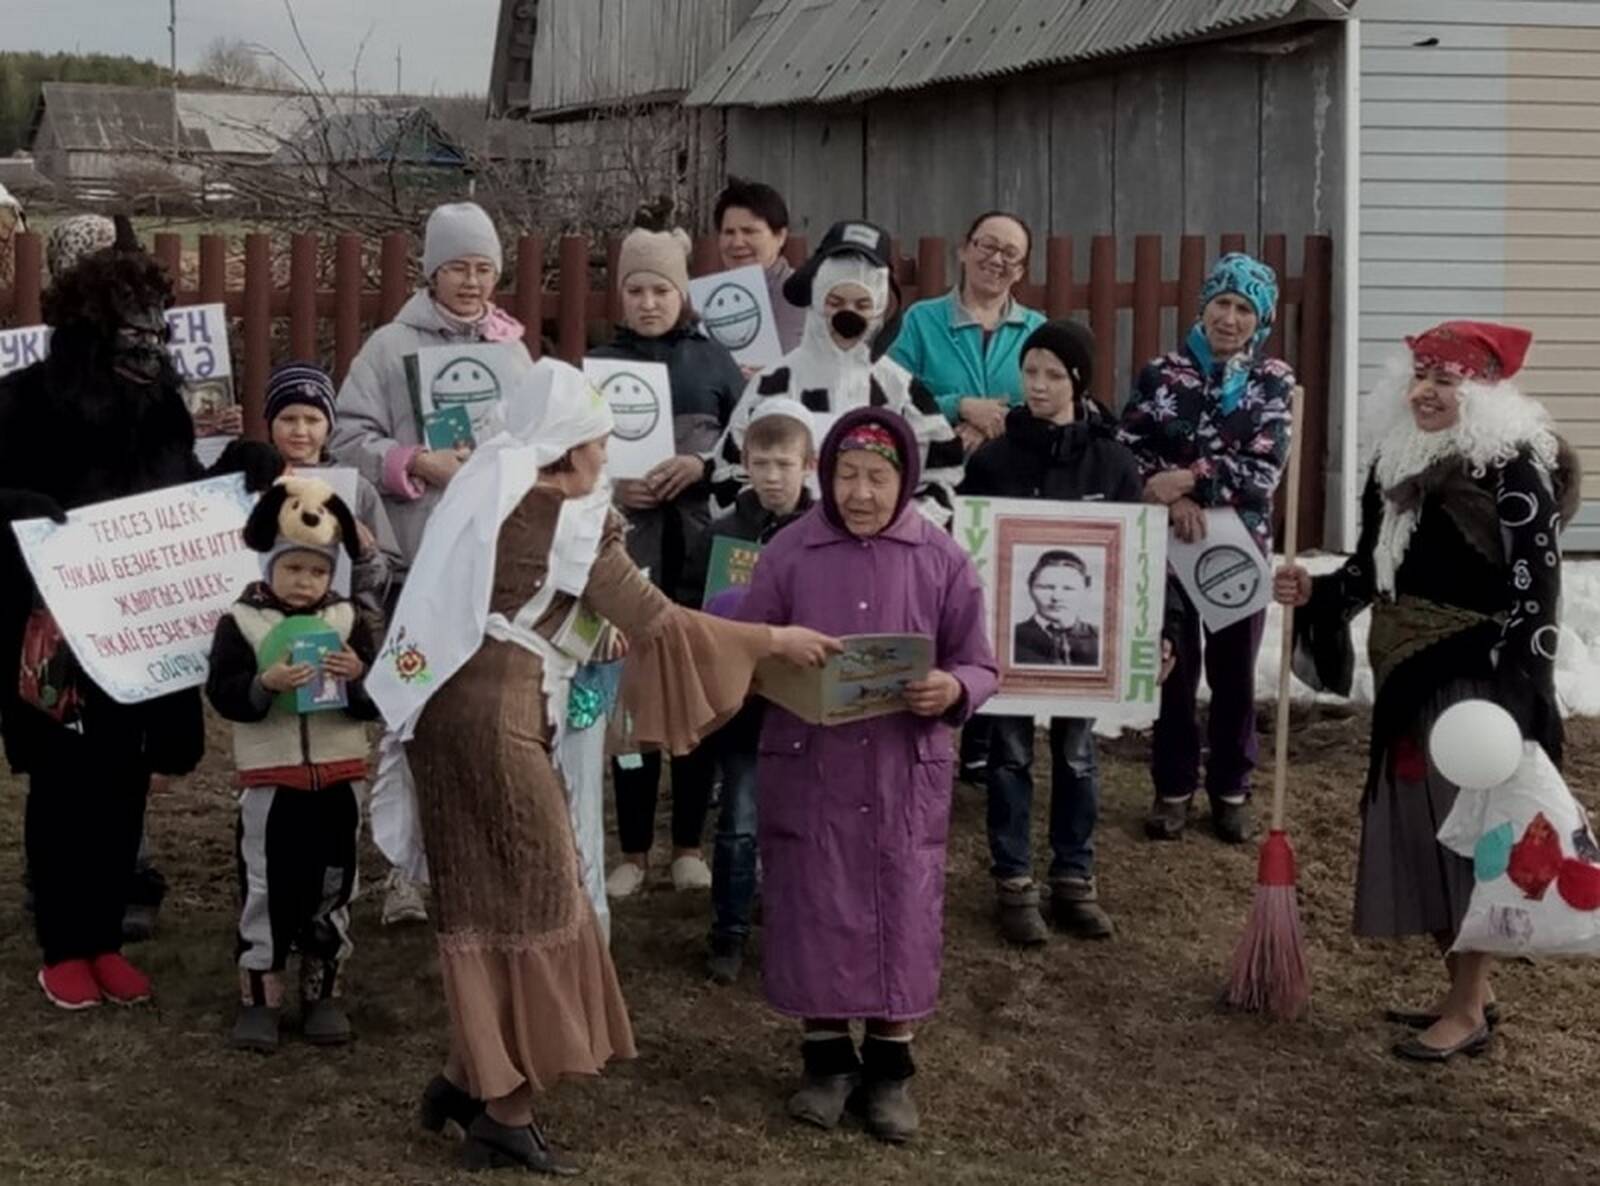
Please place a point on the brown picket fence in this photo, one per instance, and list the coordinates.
(567, 307)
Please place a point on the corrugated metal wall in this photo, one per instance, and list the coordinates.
(1480, 189)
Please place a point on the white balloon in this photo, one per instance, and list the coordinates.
(1476, 744)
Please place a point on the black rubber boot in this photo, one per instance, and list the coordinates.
(832, 1072)
(884, 1100)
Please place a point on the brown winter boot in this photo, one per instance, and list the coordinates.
(1017, 908)
(832, 1072)
(1075, 906)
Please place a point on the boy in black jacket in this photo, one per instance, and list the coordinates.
(1058, 445)
(297, 762)
(780, 456)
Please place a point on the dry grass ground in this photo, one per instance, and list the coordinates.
(1103, 1064)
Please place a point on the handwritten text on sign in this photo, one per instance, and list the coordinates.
(137, 584)
(198, 343)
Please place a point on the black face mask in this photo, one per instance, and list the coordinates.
(141, 344)
(848, 324)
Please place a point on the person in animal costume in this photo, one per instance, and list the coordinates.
(101, 417)
(297, 764)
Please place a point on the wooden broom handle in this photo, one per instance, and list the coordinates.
(1291, 533)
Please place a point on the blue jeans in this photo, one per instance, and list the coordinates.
(1074, 796)
(733, 852)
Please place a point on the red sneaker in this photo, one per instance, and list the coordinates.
(119, 980)
(70, 984)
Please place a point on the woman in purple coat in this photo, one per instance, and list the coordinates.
(853, 817)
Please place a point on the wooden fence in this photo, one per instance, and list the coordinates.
(568, 308)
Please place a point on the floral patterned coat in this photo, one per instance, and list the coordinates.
(1174, 421)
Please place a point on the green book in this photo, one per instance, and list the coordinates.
(325, 692)
(448, 428)
(733, 561)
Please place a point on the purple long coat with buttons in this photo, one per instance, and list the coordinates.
(853, 818)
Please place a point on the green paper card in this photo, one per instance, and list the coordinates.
(448, 428)
(733, 562)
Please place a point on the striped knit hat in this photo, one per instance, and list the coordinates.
(299, 383)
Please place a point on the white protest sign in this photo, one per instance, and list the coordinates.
(477, 377)
(23, 347)
(1073, 600)
(198, 344)
(1224, 574)
(137, 584)
(640, 396)
(737, 310)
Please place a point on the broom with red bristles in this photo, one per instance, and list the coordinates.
(1269, 964)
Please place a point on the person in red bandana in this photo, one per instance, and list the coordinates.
(1459, 560)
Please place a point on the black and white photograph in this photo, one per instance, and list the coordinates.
(1057, 606)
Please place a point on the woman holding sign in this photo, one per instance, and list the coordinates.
(475, 675)
(668, 512)
(1209, 424)
(378, 432)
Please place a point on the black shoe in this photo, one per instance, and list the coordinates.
(726, 960)
(491, 1145)
(1421, 1019)
(1230, 821)
(442, 1101)
(1474, 1044)
(1167, 819)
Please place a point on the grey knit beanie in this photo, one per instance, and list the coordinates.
(455, 230)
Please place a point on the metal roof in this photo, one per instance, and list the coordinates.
(821, 51)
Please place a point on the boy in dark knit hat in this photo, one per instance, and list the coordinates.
(297, 767)
(1059, 444)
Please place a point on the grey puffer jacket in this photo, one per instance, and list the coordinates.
(377, 430)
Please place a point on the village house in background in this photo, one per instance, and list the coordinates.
(1448, 146)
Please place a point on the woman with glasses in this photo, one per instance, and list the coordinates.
(966, 345)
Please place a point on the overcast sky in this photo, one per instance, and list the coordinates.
(445, 45)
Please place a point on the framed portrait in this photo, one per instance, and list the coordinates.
(1073, 601)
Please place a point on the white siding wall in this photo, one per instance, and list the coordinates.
(1480, 189)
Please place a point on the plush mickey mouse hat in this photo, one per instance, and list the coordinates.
(300, 515)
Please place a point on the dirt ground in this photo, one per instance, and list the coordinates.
(1107, 1063)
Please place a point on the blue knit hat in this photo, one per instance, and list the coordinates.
(299, 383)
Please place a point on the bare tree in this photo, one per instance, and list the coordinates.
(236, 63)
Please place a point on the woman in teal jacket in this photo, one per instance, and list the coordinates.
(966, 345)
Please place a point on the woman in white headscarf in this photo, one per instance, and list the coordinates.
(519, 572)
(852, 305)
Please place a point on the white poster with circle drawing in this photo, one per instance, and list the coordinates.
(640, 396)
(1224, 574)
(737, 310)
(477, 377)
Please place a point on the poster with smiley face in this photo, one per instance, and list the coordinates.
(1224, 574)
(640, 396)
(737, 311)
(478, 377)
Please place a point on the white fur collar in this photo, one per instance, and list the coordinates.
(1497, 421)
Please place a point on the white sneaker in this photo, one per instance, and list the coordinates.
(402, 900)
(625, 880)
(691, 873)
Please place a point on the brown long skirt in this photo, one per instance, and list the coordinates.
(529, 983)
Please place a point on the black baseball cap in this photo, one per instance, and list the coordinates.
(852, 237)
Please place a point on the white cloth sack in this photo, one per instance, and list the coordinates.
(1536, 865)
(581, 757)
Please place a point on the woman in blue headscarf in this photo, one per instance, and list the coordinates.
(1209, 425)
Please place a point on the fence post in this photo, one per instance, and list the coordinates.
(347, 282)
(794, 250)
(169, 254)
(705, 260)
(1103, 316)
(1191, 275)
(1316, 304)
(1058, 276)
(572, 337)
(1146, 337)
(29, 278)
(213, 269)
(930, 266)
(613, 287)
(530, 292)
(303, 296)
(392, 279)
(257, 330)
(1231, 243)
(1275, 254)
